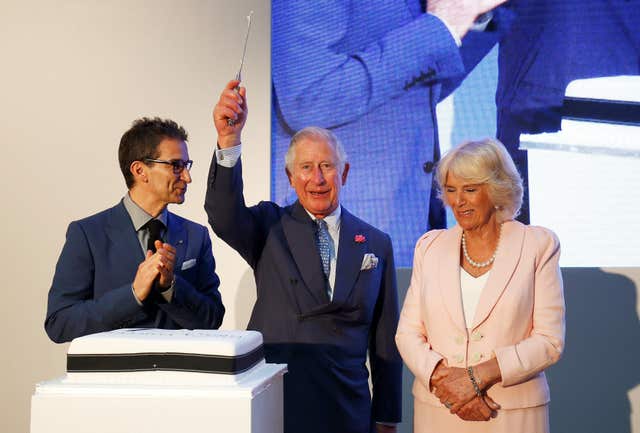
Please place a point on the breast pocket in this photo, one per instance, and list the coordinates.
(366, 292)
(188, 269)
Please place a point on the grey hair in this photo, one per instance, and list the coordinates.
(316, 133)
(485, 162)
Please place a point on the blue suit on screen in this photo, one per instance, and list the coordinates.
(372, 72)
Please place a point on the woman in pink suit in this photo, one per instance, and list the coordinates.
(484, 314)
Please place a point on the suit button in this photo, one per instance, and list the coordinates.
(459, 339)
(458, 358)
(428, 167)
(476, 336)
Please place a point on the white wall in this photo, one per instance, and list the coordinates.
(73, 75)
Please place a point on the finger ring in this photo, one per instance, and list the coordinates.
(447, 405)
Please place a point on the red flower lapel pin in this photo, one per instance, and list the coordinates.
(360, 239)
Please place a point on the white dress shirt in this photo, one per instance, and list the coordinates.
(471, 291)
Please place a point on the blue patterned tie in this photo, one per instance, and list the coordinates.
(323, 241)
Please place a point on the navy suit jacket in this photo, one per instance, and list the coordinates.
(91, 289)
(323, 342)
(552, 43)
(372, 72)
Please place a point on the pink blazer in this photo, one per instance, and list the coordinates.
(519, 319)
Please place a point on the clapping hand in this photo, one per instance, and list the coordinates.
(155, 265)
(167, 255)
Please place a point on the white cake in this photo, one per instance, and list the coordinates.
(103, 392)
(164, 357)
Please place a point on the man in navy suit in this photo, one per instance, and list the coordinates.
(325, 281)
(137, 265)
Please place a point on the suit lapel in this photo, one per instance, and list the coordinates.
(300, 236)
(449, 275)
(507, 258)
(126, 247)
(349, 258)
(177, 237)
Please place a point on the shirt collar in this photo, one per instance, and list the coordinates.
(332, 220)
(139, 217)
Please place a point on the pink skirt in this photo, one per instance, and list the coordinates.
(431, 419)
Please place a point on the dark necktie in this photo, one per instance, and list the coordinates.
(323, 242)
(155, 228)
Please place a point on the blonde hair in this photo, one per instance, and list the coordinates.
(485, 162)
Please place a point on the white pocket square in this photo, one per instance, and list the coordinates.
(188, 264)
(369, 261)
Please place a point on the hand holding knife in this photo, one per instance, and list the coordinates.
(238, 78)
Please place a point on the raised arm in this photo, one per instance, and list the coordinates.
(241, 227)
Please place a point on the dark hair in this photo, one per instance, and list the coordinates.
(142, 139)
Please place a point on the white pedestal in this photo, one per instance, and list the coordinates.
(251, 405)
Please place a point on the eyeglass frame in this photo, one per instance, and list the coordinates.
(178, 165)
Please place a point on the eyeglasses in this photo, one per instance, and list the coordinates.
(178, 165)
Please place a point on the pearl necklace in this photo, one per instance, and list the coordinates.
(473, 262)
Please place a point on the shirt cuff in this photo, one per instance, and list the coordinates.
(388, 424)
(228, 157)
(453, 34)
(167, 294)
(481, 23)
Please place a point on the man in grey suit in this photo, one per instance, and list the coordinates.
(325, 280)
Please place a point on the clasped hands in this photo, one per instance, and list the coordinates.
(460, 14)
(155, 265)
(454, 389)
